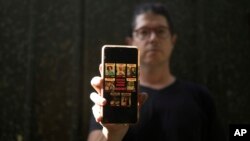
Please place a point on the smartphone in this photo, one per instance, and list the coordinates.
(120, 83)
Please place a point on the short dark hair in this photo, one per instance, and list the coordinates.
(156, 8)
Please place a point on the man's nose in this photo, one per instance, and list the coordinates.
(152, 35)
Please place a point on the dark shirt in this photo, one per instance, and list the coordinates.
(183, 111)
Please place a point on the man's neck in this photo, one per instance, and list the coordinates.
(156, 77)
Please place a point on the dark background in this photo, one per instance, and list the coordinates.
(50, 49)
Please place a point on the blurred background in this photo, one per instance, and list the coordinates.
(50, 50)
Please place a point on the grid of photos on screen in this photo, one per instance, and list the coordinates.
(120, 80)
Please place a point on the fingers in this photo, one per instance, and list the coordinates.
(96, 109)
(96, 83)
(97, 99)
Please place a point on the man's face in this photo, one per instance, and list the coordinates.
(152, 36)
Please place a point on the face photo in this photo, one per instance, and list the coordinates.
(120, 70)
(110, 69)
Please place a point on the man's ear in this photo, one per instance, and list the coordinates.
(174, 39)
(128, 40)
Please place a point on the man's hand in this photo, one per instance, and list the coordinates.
(109, 131)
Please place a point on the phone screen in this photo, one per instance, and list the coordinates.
(120, 86)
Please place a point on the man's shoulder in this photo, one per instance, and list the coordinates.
(193, 86)
(198, 91)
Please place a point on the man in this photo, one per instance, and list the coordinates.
(175, 110)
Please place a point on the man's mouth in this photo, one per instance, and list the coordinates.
(153, 50)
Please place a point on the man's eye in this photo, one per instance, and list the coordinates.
(144, 32)
(160, 31)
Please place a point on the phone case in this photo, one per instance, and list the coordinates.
(120, 83)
